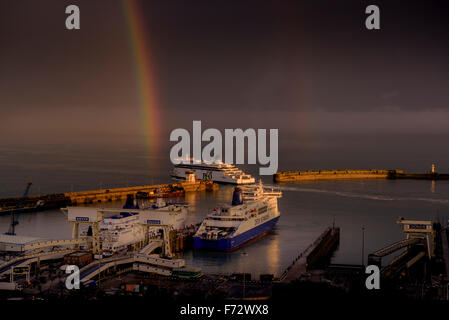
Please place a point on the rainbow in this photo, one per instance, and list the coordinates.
(145, 73)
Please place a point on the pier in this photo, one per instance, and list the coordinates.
(52, 201)
(313, 255)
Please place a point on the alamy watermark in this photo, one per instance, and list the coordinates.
(256, 143)
(73, 280)
(373, 280)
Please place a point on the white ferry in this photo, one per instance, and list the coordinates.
(163, 213)
(217, 172)
(128, 225)
(121, 230)
(253, 213)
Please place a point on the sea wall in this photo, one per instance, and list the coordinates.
(289, 176)
(51, 201)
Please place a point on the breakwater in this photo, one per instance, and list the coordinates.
(315, 255)
(51, 201)
(419, 176)
(290, 176)
(306, 175)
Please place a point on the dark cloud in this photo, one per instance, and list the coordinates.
(239, 59)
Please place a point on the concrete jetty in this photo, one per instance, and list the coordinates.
(319, 249)
(51, 201)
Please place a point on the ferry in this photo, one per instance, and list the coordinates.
(217, 172)
(119, 231)
(128, 227)
(253, 213)
(164, 213)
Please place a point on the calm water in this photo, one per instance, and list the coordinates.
(306, 208)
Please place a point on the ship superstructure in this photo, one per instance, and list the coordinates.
(134, 223)
(253, 213)
(217, 172)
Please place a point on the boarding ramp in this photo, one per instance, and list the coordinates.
(153, 245)
(141, 262)
(376, 257)
(96, 267)
(402, 262)
(31, 258)
(6, 267)
(396, 246)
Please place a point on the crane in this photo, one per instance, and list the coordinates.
(14, 218)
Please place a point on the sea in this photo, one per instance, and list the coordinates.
(365, 210)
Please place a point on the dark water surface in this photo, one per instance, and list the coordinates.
(306, 208)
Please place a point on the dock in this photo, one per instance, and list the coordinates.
(313, 255)
(52, 201)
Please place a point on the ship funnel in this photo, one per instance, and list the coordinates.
(237, 197)
(130, 203)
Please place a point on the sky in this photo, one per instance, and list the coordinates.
(309, 68)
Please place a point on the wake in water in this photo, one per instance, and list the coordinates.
(360, 195)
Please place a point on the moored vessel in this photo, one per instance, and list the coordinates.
(253, 213)
(217, 172)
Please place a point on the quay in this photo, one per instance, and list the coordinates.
(313, 255)
(151, 191)
(52, 201)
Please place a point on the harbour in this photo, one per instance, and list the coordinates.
(282, 245)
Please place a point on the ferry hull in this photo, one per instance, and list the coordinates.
(229, 244)
(214, 175)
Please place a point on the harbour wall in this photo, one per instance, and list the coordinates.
(420, 176)
(290, 176)
(51, 201)
(307, 175)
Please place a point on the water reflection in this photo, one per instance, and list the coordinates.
(306, 209)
